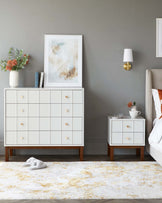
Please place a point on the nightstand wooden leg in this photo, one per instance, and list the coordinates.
(142, 154)
(137, 151)
(81, 153)
(108, 150)
(11, 152)
(6, 154)
(111, 153)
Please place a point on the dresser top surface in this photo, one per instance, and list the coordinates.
(34, 88)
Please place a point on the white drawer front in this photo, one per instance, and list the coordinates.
(66, 110)
(77, 110)
(55, 97)
(22, 137)
(66, 97)
(138, 126)
(127, 126)
(33, 110)
(33, 96)
(11, 96)
(77, 137)
(116, 138)
(77, 96)
(139, 138)
(127, 138)
(45, 137)
(55, 110)
(56, 137)
(22, 110)
(22, 97)
(116, 126)
(44, 110)
(55, 123)
(22, 124)
(10, 124)
(10, 138)
(66, 123)
(77, 124)
(33, 123)
(44, 124)
(33, 137)
(11, 110)
(44, 96)
(67, 137)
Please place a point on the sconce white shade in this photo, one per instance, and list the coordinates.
(128, 55)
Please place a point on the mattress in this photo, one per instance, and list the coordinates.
(155, 150)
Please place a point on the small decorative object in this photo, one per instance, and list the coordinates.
(133, 112)
(127, 57)
(36, 79)
(63, 60)
(15, 62)
(158, 37)
(41, 79)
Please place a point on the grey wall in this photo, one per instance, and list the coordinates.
(108, 27)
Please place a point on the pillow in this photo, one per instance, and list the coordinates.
(157, 102)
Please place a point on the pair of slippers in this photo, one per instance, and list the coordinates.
(35, 164)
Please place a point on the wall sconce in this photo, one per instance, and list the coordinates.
(127, 57)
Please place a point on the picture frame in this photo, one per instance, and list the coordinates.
(63, 60)
(158, 37)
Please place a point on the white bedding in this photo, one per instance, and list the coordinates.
(156, 133)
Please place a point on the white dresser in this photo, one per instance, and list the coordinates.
(126, 133)
(44, 118)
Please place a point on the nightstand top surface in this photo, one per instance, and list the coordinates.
(124, 118)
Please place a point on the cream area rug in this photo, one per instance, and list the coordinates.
(82, 180)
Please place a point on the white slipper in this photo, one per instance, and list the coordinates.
(37, 164)
(29, 161)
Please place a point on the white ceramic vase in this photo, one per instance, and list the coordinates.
(14, 79)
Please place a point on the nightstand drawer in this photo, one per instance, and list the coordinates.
(22, 97)
(22, 110)
(116, 126)
(116, 138)
(127, 138)
(22, 124)
(127, 126)
(139, 138)
(66, 137)
(138, 126)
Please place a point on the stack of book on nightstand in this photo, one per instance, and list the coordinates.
(39, 79)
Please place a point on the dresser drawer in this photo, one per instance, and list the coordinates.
(139, 138)
(67, 137)
(55, 123)
(77, 137)
(127, 138)
(22, 110)
(78, 97)
(22, 97)
(10, 138)
(66, 110)
(55, 110)
(44, 96)
(127, 126)
(66, 123)
(33, 96)
(116, 138)
(33, 123)
(11, 124)
(11, 110)
(33, 137)
(138, 126)
(22, 138)
(66, 97)
(22, 124)
(33, 110)
(55, 97)
(55, 137)
(10, 96)
(77, 124)
(116, 126)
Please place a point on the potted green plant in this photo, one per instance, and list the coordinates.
(15, 61)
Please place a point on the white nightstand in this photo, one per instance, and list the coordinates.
(126, 133)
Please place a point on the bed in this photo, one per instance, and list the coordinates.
(153, 81)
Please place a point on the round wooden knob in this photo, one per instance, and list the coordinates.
(66, 123)
(22, 138)
(22, 97)
(66, 97)
(21, 123)
(67, 138)
(67, 110)
(128, 126)
(128, 138)
(22, 110)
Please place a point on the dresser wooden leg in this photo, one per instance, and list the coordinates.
(81, 153)
(142, 154)
(111, 153)
(11, 152)
(137, 152)
(108, 150)
(6, 154)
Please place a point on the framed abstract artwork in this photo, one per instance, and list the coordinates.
(63, 60)
(158, 37)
